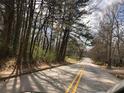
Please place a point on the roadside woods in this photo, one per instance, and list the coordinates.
(32, 30)
(109, 41)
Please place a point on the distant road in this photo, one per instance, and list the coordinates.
(83, 77)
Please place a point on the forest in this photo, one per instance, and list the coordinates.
(109, 40)
(61, 46)
(37, 31)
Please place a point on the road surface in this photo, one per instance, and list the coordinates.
(83, 77)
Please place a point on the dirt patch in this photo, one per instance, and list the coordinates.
(8, 65)
(6, 73)
(117, 71)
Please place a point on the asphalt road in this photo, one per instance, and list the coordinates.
(83, 77)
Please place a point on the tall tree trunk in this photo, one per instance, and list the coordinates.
(62, 50)
(8, 27)
(109, 49)
(23, 55)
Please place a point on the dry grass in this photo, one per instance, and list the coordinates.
(71, 60)
(8, 65)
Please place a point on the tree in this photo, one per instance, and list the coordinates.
(108, 40)
(40, 29)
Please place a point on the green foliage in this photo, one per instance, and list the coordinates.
(50, 57)
(39, 54)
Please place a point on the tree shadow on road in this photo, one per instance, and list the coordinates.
(38, 81)
(21, 84)
(95, 79)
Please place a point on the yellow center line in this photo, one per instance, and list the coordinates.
(77, 83)
(71, 84)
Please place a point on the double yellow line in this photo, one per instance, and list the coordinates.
(74, 84)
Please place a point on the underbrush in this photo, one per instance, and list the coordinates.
(7, 64)
(99, 63)
(39, 53)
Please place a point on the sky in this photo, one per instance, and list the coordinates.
(121, 13)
